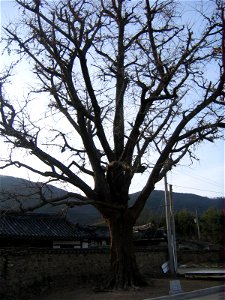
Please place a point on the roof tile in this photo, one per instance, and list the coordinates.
(39, 226)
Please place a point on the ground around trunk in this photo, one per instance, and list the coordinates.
(157, 287)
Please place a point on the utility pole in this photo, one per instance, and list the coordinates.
(175, 286)
(197, 224)
(173, 231)
(170, 238)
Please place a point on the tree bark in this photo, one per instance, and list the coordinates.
(124, 270)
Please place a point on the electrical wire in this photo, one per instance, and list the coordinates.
(201, 178)
(187, 187)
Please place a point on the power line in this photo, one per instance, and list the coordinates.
(199, 177)
(186, 187)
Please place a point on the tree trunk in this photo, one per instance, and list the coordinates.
(124, 270)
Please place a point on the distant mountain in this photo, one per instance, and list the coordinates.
(12, 189)
(190, 202)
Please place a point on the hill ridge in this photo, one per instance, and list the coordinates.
(88, 214)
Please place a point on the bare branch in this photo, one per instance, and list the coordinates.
(126, 86)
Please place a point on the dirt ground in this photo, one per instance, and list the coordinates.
(157, 287)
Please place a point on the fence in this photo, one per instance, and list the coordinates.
(30, 271)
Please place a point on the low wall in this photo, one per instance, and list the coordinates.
(208, 257)
(30, 271)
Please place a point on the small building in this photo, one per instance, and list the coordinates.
(38, 230)
(100, 236)
(41, 230)
(148, 235)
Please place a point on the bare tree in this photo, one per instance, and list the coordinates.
(128, 91)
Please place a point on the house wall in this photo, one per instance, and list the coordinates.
(25, 272)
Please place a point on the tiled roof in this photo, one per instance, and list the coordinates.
(97, 232)
(39, 226)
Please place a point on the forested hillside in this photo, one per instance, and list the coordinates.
(15, 190)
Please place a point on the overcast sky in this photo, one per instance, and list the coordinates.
(204, 177)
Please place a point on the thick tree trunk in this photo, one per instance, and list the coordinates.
(124, 270)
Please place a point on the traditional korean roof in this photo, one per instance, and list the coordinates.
(39, 226)
(97, 232)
